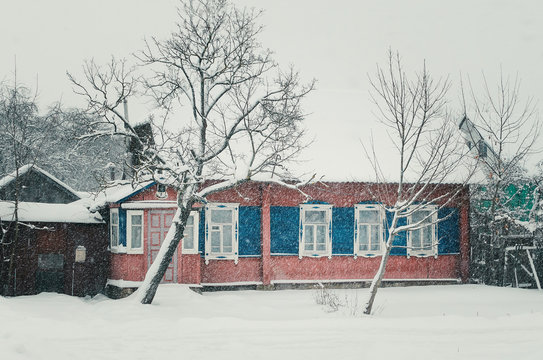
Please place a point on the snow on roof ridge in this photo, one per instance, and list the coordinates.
(117, 192)
(74, 212)
(26, 168)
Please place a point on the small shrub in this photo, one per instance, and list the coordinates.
(327, 298)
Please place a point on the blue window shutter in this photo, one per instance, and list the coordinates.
(284, 223)
(400, 241)
(250, 219)
(343, 233)
(122, 227)
(202, 231)
(448, 231)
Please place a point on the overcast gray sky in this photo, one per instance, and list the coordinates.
(336, 42)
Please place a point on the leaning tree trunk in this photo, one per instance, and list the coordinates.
(146, 293)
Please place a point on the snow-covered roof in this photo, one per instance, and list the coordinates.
(117, 193)
(27, 168)
(75, 212)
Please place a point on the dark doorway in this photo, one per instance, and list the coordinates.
(50, 274)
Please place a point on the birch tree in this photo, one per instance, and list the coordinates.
(243, 120)
(413, 109)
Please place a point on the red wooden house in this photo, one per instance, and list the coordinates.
(265, 234)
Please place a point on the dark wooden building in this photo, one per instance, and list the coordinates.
(51, 241)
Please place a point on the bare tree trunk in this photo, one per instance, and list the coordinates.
(376, 282)
(414, 110)
(149, 291)
(378, 278)
(15, 239)
(156, 272)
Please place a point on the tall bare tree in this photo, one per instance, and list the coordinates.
(501, 130)
(20, 129)
(413, 109)
(243, 119)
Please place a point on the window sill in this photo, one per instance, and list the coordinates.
(421, 254)
(221, 257)
(134, 251)
(117, 250)
(369, 255)
(189, 252)
(314, 255)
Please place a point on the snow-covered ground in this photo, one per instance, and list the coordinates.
(434, 322)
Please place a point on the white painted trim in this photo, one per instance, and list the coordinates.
(235, 283)
(421, 252)
(328, 241)
(149, 204)
(132, 284)
(195, 232)
(234, 255)
(382, 219)
(129, 248)
(328, 281)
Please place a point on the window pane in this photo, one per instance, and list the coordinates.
(375, 243)
(190, 220)
(114, 236)
(415, 239)
(308, 237)
(419, 215)
(114, 218)
(215, 241)
(136, 237)
(227, 238)
(321, 234)
(368, 216)
(315, 216)
(188, 237)
(321, 238)
(221, 216)
(136, 219)
(363, 243)
(427, 238)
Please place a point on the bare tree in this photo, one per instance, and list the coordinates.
(20, 130)
(414, 111)
(501, 131)
(244, 118)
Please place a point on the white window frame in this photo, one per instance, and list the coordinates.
(233, 255)
(357, 224)
(114, 228)
(328, 233)
(433, 251)
(129, 248)
(196, 220)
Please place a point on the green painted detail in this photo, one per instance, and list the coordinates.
(519, 199)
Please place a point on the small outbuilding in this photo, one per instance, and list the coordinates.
(51, 241)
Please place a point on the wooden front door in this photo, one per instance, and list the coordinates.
(159, 223)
